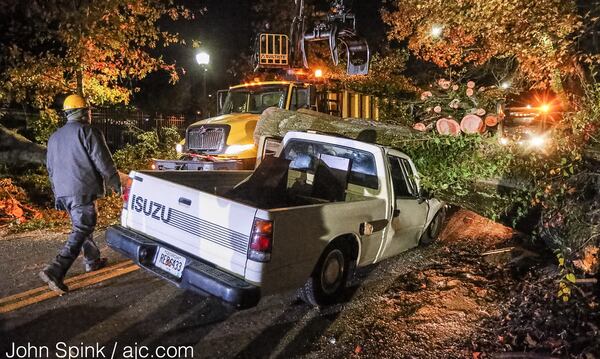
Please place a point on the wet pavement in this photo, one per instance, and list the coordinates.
(136, 310)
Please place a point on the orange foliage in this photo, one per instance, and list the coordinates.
(11, 207)
(540, 35)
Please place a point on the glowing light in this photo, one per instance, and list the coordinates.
(503, 141)
(237, 149)
(203, 58)
(436, 31)
(537, 141)
(528, 106)
(505, 85)
(545, 108)
(318, 73)
(178, 148)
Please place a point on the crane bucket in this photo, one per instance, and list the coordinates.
(272, 51)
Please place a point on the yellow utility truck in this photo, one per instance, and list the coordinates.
(226, 141)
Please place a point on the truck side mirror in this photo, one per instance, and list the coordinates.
(221, 95)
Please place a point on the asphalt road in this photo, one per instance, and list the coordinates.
(126, 309)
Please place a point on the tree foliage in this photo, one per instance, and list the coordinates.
(541, 35)
(52, 47)
(159, 143)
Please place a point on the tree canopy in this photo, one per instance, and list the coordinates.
(542, 35)
(53, 47)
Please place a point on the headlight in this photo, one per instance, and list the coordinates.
(537, 141)
(237, 149)
(179, 148)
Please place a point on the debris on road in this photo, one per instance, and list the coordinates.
(481, 295)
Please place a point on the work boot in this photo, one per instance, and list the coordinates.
(95, 265)
(54, 283)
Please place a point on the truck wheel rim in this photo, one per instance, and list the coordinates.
(333, 269)
(435, 226)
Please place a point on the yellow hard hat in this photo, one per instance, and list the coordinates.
(73, 102)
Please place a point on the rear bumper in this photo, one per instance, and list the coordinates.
(197, 275)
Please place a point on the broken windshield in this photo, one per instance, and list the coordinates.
(254, 99)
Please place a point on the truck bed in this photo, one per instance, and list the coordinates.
(270, 189)
(207, 181)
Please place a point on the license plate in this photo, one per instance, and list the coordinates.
(170, 262)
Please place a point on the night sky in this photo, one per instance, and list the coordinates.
(224, 29)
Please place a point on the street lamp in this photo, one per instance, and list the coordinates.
(203, 59)
(436, 31)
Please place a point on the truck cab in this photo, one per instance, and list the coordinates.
(226, 141)
(531, 128)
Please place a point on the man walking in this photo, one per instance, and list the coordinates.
(79, 164)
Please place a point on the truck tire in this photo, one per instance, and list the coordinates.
(328, 280)
(435, 228)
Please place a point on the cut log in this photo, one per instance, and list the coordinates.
(491, 121)
(419, 126)
(17, 150)
(472, 124)
(447, 126)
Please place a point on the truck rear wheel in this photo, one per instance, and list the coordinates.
(328, 280)
(435, 227)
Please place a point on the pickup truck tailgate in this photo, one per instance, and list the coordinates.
(204, 225)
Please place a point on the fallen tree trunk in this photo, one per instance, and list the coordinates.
(17, 150)
(277, 122)
(487, 196)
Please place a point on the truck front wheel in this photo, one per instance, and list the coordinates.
(328, 280)
(435, 227)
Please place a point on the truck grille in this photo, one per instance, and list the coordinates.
(206, 138)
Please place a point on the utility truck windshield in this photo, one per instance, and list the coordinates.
(255, 99)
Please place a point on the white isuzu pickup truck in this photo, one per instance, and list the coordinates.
(306, 218)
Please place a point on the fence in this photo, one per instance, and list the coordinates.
(119, 125)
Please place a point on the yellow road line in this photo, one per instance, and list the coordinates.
(76, 283)
(68, 281)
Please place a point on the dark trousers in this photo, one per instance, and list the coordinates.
(82, 211)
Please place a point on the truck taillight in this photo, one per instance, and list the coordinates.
(125, 192)
(261, 240)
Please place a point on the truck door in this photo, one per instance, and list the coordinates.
(299, 98)
(409, 212)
